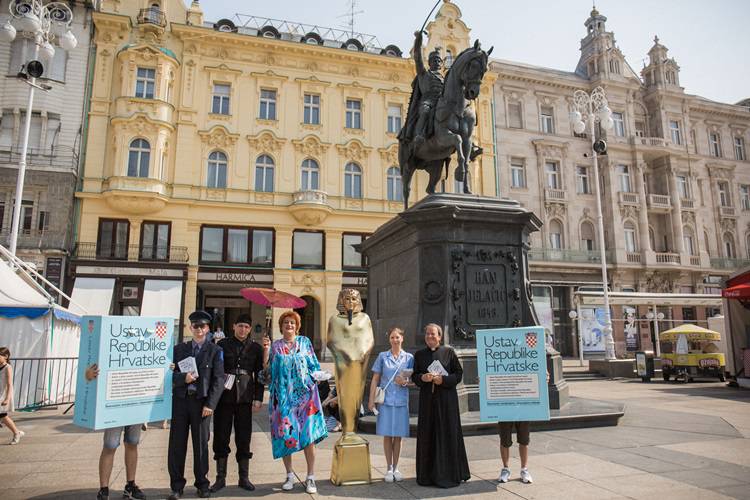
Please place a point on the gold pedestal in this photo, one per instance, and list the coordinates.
(351, 461)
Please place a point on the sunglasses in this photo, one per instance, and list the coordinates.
(198, 325)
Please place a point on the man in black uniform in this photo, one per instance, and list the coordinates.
(243, 360)
(194, 398)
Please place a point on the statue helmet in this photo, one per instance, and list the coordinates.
(435, 54)
(349, 293)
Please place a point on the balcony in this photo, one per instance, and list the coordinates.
(633, 257)
(554, 195)
(131, 253)
(668, 258)
(628, 198)
(152, 16)
(36, 239)
(691, 260)
(727, 212)
(658, 142)
(659, 203)
(155, 109)
(56, 158)
(729, 264)
(572, 256)
(310, 206)
(687, 203)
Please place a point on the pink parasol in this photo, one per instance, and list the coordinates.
(270, 297)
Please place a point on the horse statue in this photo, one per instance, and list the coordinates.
(440, 120)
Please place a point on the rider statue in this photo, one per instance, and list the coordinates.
(427, 89)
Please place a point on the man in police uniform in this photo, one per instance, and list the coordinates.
(243, 360)
(194, 399)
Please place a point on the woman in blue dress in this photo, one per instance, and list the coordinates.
(389, 373)
(297, 421)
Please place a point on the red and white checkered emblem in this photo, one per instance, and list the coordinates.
(161, 329)
(531, 339)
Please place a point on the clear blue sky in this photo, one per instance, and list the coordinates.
(709, 39)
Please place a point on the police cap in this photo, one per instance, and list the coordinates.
(200, 317)
(244, 318)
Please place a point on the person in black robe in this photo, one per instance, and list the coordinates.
(441, 455)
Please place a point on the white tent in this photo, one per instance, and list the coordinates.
(39, 334)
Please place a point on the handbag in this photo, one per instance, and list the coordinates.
(380, 391)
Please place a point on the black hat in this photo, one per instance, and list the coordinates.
(244, 318)
(200, 317)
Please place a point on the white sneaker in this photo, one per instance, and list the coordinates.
(17, 437)
(389, 476)
(525, 476)
(504, 475)
(397, 476)
(310, 486)
(288, 484)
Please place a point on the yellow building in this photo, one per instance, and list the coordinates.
(220, 156)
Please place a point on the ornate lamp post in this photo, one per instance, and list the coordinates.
(588, 109)
(43, 23)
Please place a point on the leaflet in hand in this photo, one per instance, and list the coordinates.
(436, 368)
(321, 375)
(406, 374)
(229, 381)
(188, 365)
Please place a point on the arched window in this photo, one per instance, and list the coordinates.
(555, 235)
(310, 174)
(448, 59)
(139, 157)
(352, 181)
(631, 244)
(588, 241)
(264, 167)
(729, 252)
(395, 188)
(688, 241)
(217, 170)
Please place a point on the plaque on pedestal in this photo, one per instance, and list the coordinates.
(351, 462)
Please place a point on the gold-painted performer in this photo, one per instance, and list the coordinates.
(350, 340)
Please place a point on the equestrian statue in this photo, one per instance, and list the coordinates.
(440, 119)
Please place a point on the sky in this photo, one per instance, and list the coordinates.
(709, 39)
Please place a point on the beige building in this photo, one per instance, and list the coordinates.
(225, 155)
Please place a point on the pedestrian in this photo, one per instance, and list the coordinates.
(6, 396)
(131, 435)
(505, 430)
(441, 454)
(294, 408)
(194, 399)
(243, 392)
(391, 372)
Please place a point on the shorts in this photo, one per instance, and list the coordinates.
(112, 436)
(3, 415)
(506, 428)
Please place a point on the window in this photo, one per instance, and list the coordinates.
(310, 173)
(555, 235)
(27, 216)
(582, 180)
(674, 130)
(155, 240)
(714, 144)
(52, 133)
(112, 241)
(145, 82)
(220, 103)
(351, 257)
(43, 223)
(619, 124)
(640, 126)
(394, 186)
(264, 168)
(35, 131)
(352, 181)
(745, 196)
(267, 105)
(311, 109)
(394, 119)
(515, 119)
(552, 171)
(614, 66)
(237, 245)
(688, 241)
(671, 78)
(217, 170)
(694, 140)
(683, 187)
(139, 156)
(448, 59)
(729, 246)
(630, 242)
(587, 237)
(517, 174)
(353, 113)
(724, 199)
(22, 51)
(623, 173)
(212, 244)
(547, 120)
(7, 127)
(307, 249)
(739, 148)
(262, 248)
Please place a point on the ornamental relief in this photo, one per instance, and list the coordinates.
(218, 137)
(389, 155)
(688, 218)
(628, 212)
(555, 210)
(728, 225)
(354, 150)
(310, 146)
(139, 125)
(265, 141)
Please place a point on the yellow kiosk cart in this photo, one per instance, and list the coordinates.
(694, 354)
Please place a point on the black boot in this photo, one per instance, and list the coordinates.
(243, 465)
(221, 475)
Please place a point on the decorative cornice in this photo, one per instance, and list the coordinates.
(310, 145)
(265, 141)
(354, 150)
(218, 136)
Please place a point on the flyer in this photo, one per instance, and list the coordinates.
(512, 366)
(134, 383)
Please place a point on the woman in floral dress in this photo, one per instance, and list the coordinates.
(297, 421)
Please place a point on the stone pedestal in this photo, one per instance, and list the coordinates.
(460, 261)
(559, 391)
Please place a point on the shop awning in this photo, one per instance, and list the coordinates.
(162, 298)
(741, 291)
(95, 294)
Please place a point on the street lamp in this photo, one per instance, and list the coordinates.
(588, 109)
(43, 23)
(656, 317)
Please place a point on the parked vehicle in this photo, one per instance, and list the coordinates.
(694, 354)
